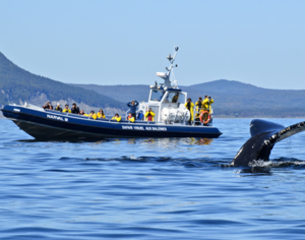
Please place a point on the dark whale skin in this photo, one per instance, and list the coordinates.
(264, 134)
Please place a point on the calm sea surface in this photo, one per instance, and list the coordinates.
(150, 188)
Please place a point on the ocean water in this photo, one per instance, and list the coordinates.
(150, 188)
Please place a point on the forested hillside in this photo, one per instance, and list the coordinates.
(19, 86)
(123, 93)
(232, 98)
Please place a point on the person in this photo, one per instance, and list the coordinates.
(190, 106)
(149, 116)
(58, 108)
(197, 118)
(116, 117)
(91, 115)
(101, 114)
(199, 104)
(140, 115)
(208, 100)
(175, 98)
(66, 109)
(81, 112)
(130, 117)
(47, 106)
(74, 109)
(133, 107)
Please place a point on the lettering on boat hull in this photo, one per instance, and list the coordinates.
(57, 118)
(141, 128)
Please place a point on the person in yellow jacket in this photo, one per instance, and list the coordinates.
(130, 117)
(66, 109)
(101, 114)
(190, 106)
(199, 104)
(149, 116)
(207, 103)
(117, 117)
(91, 115)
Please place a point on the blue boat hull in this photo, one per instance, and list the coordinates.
(53, 125)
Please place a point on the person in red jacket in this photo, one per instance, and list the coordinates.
(149, 116)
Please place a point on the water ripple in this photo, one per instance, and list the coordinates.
(150, 188)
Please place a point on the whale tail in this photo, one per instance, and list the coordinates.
(264, 135)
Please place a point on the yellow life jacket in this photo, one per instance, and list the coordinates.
(152, 115)
(99, 115)
(93, 115)
(207, 104)
(199, 106)
(191, 110)
(131, 119)
(116, 118)
(66, 110)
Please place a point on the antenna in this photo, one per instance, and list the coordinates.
(166, 76)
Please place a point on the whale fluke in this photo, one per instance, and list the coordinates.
(264, 135)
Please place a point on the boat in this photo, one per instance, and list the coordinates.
(165, 99)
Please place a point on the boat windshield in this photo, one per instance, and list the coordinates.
(156, 95)
(172, 97)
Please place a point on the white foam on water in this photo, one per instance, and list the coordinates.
(260, 163)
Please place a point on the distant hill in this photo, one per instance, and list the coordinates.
(242, 94)
(232, 98)
(18, 86)
(123, 93)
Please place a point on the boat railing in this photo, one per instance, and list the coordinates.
(205, 109)
(109, 119)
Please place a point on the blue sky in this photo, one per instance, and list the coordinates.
(126, 42)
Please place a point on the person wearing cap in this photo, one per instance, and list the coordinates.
(101, 114)
(74, 109)
(66, 109)
(133, 107)
(58, 108)
(149, 116)
(117, 117)
(47, 106)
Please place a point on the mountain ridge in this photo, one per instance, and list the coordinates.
(232, 98)
(18, 86)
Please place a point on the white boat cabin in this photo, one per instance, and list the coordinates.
(166, 100)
